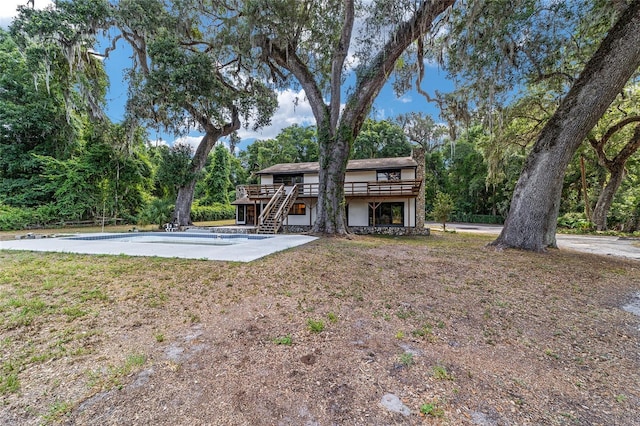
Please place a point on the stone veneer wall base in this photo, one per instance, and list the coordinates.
(364, 230)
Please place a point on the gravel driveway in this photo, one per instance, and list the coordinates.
(605, 245)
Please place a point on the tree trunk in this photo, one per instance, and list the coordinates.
(334, 155)
(182, 212)
(615, 168)
(532, 219)
(336, 130)
(606, 197)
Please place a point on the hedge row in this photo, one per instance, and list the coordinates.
(15, 218)
(214, 212)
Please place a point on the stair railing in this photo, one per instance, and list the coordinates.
(283, 211)
(267, 210)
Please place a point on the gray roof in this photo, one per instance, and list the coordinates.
(352, 165)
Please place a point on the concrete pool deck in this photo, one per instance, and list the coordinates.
(242, 252)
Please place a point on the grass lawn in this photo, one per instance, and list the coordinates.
(320, 334)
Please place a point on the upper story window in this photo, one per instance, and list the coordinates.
(288, 180)
(383, 175)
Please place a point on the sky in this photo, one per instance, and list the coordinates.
(293, 106)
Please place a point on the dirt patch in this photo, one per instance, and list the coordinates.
(334, 332)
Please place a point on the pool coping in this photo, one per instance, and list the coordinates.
(245, 252)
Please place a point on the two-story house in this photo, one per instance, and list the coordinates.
(383, 195)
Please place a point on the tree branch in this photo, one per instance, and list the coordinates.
(289, 60)
(337, 63)
(629, 149)
(617, 127)
(376, 74)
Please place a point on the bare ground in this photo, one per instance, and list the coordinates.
(465, 334)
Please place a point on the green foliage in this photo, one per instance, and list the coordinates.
(380, 139)
(157, 211)
(431, 409)
(14, 218)
(216, 211)
(9, 382)
(468, 173)
(283, 340)
(461, 170)
(218, 182)
(315, 326)
(421, 129)
(109, 177)
(440, 372)
(406, 359)
(294, 144)
(34, 122)
(442, 208)
(174, 169)
(57, 411)
(486, 59)
(575, 221)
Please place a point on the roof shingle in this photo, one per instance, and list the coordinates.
(352, 165)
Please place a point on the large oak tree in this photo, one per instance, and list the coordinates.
(531, 222)
(309, 42)
(187, 71)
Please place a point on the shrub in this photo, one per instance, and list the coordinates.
(158, 211)
(216, 211)
(577, 221)
(442, 208)
(15, 218)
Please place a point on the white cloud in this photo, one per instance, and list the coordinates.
(157, 142)
(194, 141)
(379, 114)
(293, 108)
(8, 9)
(406, 99)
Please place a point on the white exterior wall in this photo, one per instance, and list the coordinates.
(311, 178)
(307, 219)
(410, 212)
(407, 174)
(361, 176)
(358, 213)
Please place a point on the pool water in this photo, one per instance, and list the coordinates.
(186, 245)
(209, 239)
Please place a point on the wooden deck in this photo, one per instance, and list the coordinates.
(400, 188)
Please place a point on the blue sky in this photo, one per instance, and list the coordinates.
(387, 105)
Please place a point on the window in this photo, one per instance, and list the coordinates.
(288, 180)
(387, 214)
(388, 174)
(298, 209)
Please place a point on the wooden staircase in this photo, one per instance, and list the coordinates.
(276, 210)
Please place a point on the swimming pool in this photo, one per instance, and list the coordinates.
(186, 245)
(174, 238)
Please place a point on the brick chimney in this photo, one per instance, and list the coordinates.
(417, 153)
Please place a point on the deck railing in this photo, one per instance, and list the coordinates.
(256, 191)
(392, 188)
